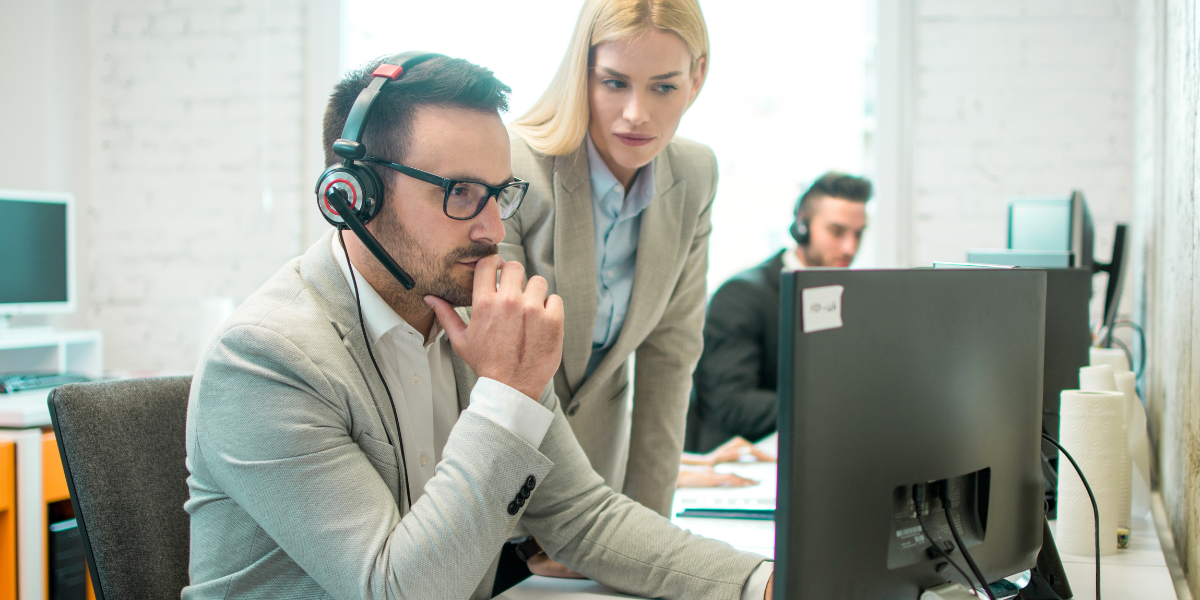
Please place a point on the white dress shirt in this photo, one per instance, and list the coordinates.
(420, 378)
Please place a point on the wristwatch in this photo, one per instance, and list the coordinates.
(528, 549)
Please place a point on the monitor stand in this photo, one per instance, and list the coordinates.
(1048, 581)
(7, 331)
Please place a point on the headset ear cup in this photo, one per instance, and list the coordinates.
(363, 187)
(800, 231)
(372, 189)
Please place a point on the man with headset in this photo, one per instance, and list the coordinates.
(354, 432)
(734, 382)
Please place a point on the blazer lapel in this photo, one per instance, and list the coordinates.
(658, 247)
(575, 260)
(320, 270)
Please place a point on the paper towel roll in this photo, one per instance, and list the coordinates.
(1092, 421)
(1135, 421)
(1097, 379)
(1102, 377)
(1113, 357)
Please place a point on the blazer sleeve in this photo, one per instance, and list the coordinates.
(583, 524)
(273, 434)
(728, 381)
(663, 370)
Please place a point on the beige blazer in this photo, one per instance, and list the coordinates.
(296, 489)
(553, 236)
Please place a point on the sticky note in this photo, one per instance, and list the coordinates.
(822, 308)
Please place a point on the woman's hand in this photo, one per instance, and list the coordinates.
(707, 477)
(731, 451)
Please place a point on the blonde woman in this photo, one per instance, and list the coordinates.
(617, 220)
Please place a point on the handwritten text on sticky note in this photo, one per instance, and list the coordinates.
(822, 307)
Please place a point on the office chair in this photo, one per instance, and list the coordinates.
(122, 447)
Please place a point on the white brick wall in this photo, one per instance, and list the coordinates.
(196, 186)
(1030, 97)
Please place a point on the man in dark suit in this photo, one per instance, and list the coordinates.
(734, 383)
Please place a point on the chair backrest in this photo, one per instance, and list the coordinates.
(123, 450)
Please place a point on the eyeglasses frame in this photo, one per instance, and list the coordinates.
(448, 184)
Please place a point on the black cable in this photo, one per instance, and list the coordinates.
(944, 496)
(1095, 508)
(1141, 342)
(367, 341)
(918, 502)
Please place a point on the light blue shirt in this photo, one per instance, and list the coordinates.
(616, 215)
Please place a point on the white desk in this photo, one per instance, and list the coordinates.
(25, 409)
(1141, 572)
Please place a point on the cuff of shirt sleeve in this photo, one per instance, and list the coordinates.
(512, 410)
(756, 584)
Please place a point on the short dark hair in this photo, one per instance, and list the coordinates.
(834, 185)
(440, 81)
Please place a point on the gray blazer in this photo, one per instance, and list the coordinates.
(553, 236)
(296, 486)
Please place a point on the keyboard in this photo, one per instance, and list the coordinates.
(16, 382)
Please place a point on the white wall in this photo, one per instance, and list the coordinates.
(1024, 97)
(1167, 246)
(179, 127)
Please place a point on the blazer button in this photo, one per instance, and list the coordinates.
(530, 482)
(514, 508)
(520, 501)
(572, 410)
(523, 494)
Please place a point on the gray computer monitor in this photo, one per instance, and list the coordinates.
(903, 378)
(1053, 224)
(37, 259)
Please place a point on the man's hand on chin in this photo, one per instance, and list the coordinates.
(516, 330)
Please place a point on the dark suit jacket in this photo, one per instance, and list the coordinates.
(735, 380)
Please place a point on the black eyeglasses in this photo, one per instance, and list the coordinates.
(465, 199)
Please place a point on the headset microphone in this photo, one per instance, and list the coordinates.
(351, 193)
(337, 198)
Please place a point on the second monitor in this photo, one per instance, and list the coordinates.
(895, 380)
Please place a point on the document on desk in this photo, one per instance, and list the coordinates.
(756, 502)
(550, 588)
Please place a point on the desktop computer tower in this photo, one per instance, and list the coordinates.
(67, 565)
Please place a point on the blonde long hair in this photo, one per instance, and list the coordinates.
(559, 119)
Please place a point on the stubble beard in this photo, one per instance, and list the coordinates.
(432, 275)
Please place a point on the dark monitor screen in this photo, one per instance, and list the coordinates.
(34, 253)
(907, 377)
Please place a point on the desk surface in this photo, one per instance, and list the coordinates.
(1138, 573)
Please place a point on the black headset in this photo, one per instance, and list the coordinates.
(800, 225)
(351, 193)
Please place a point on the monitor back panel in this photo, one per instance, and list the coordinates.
(932, 375)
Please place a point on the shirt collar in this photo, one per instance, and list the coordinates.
(624, 204)
(377, 314)
(791, 262)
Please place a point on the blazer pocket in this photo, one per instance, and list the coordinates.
(379, 453)
(621, 393)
